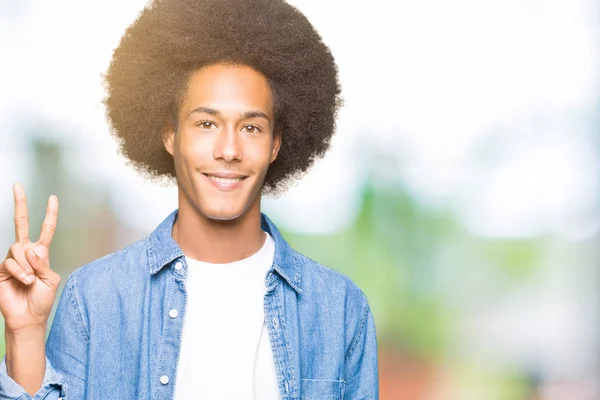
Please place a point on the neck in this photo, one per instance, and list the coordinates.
(214, 241)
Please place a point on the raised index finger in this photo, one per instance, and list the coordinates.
(49, 224)
(21, 216)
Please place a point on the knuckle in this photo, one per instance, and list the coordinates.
(21, 220)
(11, 267)
(15, 247)
(10, 264)
(48, 227)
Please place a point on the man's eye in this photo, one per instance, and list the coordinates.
(205, 124)
(252, 128)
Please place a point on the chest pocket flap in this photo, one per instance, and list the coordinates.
(321, 389)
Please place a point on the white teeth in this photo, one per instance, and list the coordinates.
(224, 180)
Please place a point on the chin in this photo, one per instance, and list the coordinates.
(223, 215)
(220, 207)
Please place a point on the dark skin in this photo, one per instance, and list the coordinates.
(222, 150)
(225, 129)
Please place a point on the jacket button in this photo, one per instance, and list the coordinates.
(275, 323)
(164, 379)
(287, 386)
(178, 266)
(173, 313)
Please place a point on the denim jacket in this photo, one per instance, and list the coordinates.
(113, 337)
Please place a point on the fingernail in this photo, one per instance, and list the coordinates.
(30, 279)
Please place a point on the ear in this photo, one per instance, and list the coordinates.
(168, 138)
(276, 146)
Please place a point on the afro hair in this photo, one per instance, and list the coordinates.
(171, 39)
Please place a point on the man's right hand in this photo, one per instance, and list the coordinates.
(27, 284)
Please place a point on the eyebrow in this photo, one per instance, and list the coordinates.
(245, 115)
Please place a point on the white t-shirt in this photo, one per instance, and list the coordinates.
(225, 347)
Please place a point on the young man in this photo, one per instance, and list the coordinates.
(232, 98)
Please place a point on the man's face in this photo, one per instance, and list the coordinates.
(224, 143)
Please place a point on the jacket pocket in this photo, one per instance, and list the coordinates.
(321, 389)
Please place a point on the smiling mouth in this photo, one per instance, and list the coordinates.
(226, 181)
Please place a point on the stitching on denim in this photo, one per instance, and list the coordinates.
(275, 338)
(164, 328)
(359, 332)
(341, 385)
(154, 265)
(288, 280)
(151, 255)
(78, 314)
(284, 334)
(297, 273)
(179, 281)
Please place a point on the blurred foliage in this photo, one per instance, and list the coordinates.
(388, 252)
(516, 258)
(414, 263)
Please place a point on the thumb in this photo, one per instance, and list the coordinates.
(39, 266)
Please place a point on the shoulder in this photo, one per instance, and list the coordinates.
(321, 283)
(120, 266)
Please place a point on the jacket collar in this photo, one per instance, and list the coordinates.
(163, 250)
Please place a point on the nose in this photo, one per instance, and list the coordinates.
(227, 146)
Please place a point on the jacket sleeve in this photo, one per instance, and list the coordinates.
(66, 355)
(362, 372)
